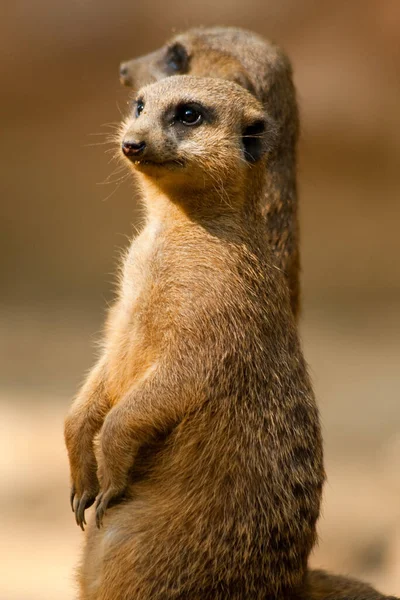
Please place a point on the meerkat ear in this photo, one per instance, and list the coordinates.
(257, 137)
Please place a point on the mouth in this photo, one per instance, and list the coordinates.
(151, 164)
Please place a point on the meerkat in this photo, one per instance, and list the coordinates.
(209, 446)
(265, 71)
(262, 68)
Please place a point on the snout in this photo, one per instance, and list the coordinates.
(124, 75)
(133, 149)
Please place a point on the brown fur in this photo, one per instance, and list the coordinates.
(211, 443)
(262, 68)
(325, 586)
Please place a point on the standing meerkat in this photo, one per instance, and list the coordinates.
(262, 68)
(208, 432)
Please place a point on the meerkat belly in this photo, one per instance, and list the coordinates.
(131, 347)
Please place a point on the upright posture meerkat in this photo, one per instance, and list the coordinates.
(209, 434)
(262, 68)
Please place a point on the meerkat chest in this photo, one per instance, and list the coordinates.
(137, 268)
(131, 344)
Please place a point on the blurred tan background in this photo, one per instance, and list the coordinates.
(61, 233)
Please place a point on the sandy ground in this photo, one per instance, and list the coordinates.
(355, 371)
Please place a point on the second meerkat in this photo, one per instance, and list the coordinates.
(208, 427)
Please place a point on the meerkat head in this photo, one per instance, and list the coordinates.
(232, 54)
(199, 52)
(191, 133)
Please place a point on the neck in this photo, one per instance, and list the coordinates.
(225, 209)
(182, 201)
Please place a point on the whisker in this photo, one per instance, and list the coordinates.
(119, 110)
(116, 171)
(116, 188)
(113, 125)
(99, 143)
(116, 154)
(99, 133)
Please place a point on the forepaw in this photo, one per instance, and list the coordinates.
(79, 503)
(110, 496)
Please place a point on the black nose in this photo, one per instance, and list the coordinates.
(133, 148)
(123, 70)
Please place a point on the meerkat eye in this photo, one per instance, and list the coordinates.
(188, 115)
(176, 59)
(139, 108)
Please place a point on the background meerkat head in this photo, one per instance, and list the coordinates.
(196, 133)
(200, 52)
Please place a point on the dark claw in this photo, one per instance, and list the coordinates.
(80, 505)
(80, 513)
(71, 497)
(76, 509)
(75, 504)
(100, 510)
(101, 507)
(105, 500)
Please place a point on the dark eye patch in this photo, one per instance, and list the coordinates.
(189, 114)
(176, 59)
